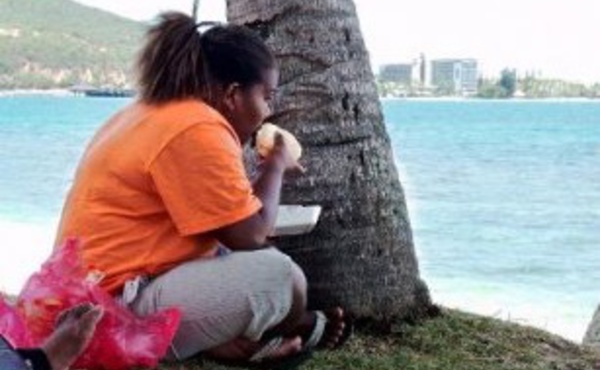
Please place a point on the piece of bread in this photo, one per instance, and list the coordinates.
(265, 139)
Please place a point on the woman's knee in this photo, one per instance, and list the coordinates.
(299, 286)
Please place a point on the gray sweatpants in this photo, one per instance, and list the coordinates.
(240, 294)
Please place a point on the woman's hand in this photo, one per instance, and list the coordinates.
(280, 156)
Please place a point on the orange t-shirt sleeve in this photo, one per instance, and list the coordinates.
(201, 179)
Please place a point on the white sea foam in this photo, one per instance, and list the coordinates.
(566, 319)
(24, 247)
(35, 92)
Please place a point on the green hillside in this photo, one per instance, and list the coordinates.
(59, 43)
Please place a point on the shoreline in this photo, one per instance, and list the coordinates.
(63, 92)
(469, 99)
(36, 92)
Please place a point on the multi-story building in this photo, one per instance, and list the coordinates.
(400, 73)
(458, 76)
(422, 70)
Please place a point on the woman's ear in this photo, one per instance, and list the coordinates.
(230, 96)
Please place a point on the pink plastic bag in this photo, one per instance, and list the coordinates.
(12, 326)
(121, 341)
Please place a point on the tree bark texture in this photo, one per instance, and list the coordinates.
(361, 254)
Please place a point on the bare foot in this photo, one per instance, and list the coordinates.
(288, 347)
(73, 333)
(334, 330)
(242, 349)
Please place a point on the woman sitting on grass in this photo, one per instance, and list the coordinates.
(167, 215)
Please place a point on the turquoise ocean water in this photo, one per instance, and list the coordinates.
(504, 197)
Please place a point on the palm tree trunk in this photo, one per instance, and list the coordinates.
(361, 254)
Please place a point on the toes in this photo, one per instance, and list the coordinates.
(336, 326)
(335, 313)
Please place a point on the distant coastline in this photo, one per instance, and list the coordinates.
(61, 92)
(36, 92)
(499, 100)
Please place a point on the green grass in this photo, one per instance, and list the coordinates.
(452, 341)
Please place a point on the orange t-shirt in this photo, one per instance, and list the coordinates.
(151, 184)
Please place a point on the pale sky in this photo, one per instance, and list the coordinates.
(555, 37)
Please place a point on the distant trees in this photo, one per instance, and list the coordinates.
(489, 89)
(508, 82)
(507, 85)
(533, 87)
(445, 88)
(530, 86)
(60, 43)
(594, 91)
(503, 88)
